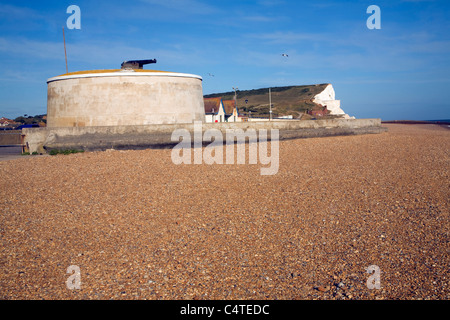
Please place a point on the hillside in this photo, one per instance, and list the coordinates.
(291, 100)
(26, 119)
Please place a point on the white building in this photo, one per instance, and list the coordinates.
(218, 110)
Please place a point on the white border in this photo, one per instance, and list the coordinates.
(124, 73)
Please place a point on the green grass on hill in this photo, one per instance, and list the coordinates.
(291, 100)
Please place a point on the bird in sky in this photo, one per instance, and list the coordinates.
(284, 55)
(211, 75)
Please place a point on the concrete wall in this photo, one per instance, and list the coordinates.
(159, 136)
(10, 137)
(124, 98)
(209, 118)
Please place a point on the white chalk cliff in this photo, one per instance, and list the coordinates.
(327, 98)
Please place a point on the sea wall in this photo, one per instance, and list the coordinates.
(160, 136)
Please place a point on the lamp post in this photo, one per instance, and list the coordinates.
(270, 105)
(235, 96)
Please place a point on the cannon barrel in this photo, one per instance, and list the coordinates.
(136, 64)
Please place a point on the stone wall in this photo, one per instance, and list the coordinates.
(160, 136)
(10, 137)
(124, 98)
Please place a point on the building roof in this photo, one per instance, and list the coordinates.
(119, 73)
(6, 120)
(229, 106)
(212, 105)
(110, 71)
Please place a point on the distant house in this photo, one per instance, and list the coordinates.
(218, 110)
(4, 122)
(231, 111)
(214, 110)
(318, 111)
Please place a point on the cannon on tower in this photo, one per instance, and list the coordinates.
(136, 64)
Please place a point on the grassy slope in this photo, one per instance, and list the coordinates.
(292, 100)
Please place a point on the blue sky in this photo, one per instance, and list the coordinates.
(400, 71)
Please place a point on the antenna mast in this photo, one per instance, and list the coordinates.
(65, 52)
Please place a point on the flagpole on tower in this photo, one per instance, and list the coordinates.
(65, 52)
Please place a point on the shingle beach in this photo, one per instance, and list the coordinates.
(140, 227)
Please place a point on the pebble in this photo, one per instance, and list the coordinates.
(211, 231)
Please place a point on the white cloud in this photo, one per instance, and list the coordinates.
(257, 18)
(101, 54)
(271, 3)
(280, 37)
(32, 49)
(418, 1)
(18, 13)
(186, 6)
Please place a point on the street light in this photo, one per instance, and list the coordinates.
(235, 99)
(270, 105)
